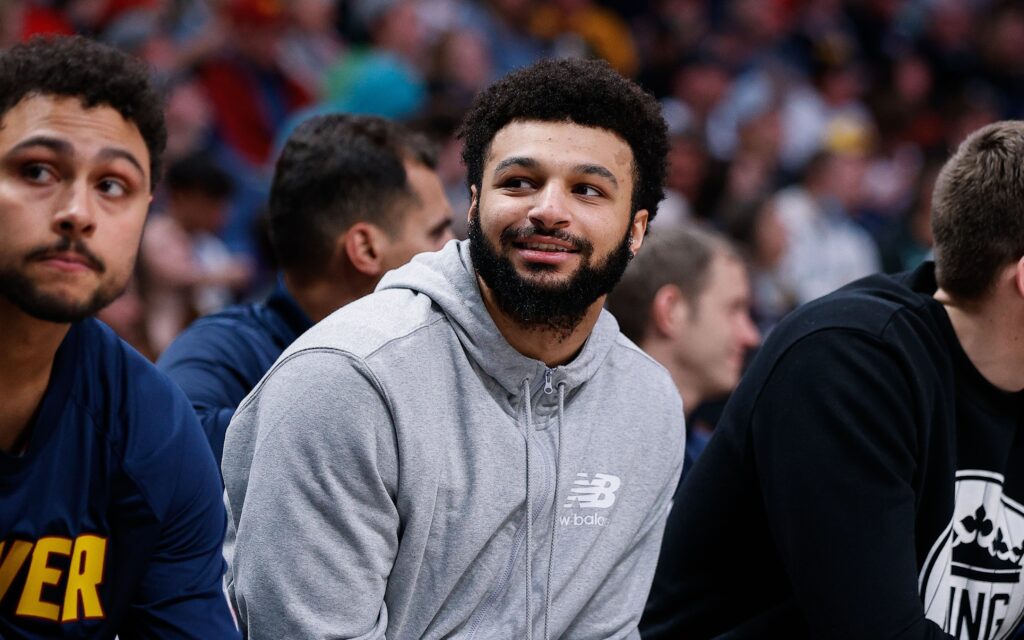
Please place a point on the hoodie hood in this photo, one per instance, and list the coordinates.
(449, 279)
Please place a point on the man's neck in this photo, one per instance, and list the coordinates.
(550, 346)
(27, 349)
(991, 338)
(320, 297)
(662, 352)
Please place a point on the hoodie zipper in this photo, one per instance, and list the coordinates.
(520, 536)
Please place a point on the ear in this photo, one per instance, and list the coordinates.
(1018, 277)
(474, 202)
(637, 231)
(363, 246)
(669, 310)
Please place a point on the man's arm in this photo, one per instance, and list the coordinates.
(834, 433)
(181, 593)
(311, 472)
(216, 365)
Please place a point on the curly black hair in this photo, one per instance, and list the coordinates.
(586, 92)
(94, 73)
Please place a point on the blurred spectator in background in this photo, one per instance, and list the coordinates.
(353, 197)
(251, 94)
(666, 33)
(585, 29)
(460, 67)
(186, 270)
(686, 180)
(189, 116)
(760, 238)
(910, 243)
(699, 86)
(825, 248)
(381, 73)
(685, 300)
(832, 96)
(10, 22)
(503, 25)
(312, 44)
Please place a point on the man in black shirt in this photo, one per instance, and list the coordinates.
(867, 476)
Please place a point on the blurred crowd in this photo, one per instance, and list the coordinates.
(810, 132)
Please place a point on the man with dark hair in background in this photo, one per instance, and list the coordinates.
(475, 450)
(867, 477)
(111, 519)
(686, 302)
(353, 197)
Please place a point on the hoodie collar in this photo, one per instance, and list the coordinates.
(448, 278)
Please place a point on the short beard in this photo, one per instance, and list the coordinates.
(558, 308)
(23, 293)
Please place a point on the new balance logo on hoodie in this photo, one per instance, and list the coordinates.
(591, 493)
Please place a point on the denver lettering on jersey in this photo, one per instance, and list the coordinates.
(84, 558)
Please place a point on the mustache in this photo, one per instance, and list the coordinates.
(510, 235)
(66, 245)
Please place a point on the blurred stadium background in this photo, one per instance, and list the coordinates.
(809, 131)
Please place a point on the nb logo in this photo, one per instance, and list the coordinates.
(596, 493)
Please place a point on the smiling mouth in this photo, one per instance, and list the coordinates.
(543, 246)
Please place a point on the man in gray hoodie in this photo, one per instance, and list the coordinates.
(474, 450)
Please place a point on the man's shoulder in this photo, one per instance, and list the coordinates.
(239, 333)
(875, 306)
(242, 320)
(141, 418)
(111, 373)
(627, 355)
(643, 380)
(368, 325)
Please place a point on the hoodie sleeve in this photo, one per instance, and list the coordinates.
(314, 520)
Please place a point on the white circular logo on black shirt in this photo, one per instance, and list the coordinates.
(971, 580)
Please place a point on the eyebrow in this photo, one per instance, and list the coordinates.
(63, 147)
(53, 144)
(596, 170)
(110, 153)
(516, 161)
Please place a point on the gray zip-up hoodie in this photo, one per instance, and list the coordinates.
(379, 476)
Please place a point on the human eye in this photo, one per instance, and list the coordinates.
(113, 187)
(39, 173)
(588, 190)
(516, 182)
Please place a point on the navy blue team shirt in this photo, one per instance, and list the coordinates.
(112, 521)
(219, 359)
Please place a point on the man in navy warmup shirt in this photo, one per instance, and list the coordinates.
(867, 477)
(353, 197)
(111, 520)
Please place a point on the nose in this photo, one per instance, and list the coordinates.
(550, 210)
(74, 217)
(749, 333)
(445, 237)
